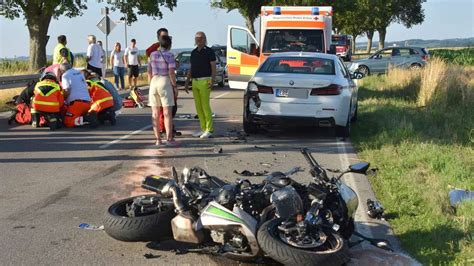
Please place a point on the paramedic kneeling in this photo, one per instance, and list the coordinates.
(78, 101)
(48, 100)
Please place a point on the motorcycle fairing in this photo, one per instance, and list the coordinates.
(350, 198)
(216, 217)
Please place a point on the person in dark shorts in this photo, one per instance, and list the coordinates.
(94, 56)
(131, 57)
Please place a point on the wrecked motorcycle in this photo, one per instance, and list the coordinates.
(280, 218)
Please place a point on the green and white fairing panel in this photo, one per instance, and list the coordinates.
(217, 217)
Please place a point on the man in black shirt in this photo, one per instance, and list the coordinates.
(203, 73)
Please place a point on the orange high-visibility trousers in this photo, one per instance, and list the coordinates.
(74, 113)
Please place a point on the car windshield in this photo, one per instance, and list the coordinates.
(293, 40)
(184, 58)
(299, 65)
(338, 40)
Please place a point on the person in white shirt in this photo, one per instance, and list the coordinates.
(78, 100)
(94, 55)
(103, 59)
(117, 61)
(133, 62)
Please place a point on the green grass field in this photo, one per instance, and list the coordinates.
(418, 129)
(463, 56)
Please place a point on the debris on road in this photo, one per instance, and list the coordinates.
(151, 256)
(184, 116)
(266, 164)
(375, 209)
(250, 173)
(372, 171)
(197, 116)
(456, 196)
(91, 227)
(217, 149)
(258, 147)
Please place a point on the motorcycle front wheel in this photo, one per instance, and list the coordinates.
(333, 252)
(150, 227)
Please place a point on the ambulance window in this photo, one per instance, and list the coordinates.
(286, 40)
(242, 41)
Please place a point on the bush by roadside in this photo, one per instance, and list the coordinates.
(418, 129)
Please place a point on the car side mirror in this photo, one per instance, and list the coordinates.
(357, 75)
(360, 168)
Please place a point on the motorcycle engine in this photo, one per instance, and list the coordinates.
(226, 196)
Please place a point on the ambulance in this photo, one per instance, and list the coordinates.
(282, 29)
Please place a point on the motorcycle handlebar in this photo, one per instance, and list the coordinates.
(316, 169)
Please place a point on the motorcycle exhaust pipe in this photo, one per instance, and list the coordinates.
(171, 189)
(167, 188)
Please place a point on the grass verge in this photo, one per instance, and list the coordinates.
(418, 129)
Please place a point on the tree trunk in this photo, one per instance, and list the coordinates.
(249, 23)
(354, 44)
(38, 24)
(370, 36)
(382, 33)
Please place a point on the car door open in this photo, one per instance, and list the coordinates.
(242, 56)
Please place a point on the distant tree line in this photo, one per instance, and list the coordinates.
(355, 17)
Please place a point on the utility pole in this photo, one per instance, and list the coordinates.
(105, 12)
(125, 25)
(106, 26)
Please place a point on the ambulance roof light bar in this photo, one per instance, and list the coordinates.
(277, 10)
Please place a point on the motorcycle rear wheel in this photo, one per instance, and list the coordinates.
(336, 253)
(151, 227)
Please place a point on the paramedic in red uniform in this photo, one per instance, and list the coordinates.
(154, 47)
(48, 98)
(101, 97)
(78, 100)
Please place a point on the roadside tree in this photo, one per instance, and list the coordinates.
(38, 15)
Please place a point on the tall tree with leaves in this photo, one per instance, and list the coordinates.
(249, 9)
(38, 15)
(407, 12)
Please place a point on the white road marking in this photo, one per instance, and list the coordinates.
(349, 179)
(220, 95)
(125, 137)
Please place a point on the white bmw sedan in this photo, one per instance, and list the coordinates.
(301, 89)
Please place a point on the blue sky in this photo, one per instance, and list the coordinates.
(444, 19)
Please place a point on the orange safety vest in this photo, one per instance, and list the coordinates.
(48, 97)
(101, 97)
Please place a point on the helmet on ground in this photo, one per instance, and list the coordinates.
(49, 75)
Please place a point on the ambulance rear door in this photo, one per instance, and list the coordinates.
(242, 56)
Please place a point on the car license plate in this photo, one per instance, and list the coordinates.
(181, 78)
(281, 92)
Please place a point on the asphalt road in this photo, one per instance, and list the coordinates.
(50, 182)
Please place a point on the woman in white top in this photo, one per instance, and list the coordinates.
(118, 63)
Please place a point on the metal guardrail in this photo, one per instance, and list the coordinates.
(19, 81)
